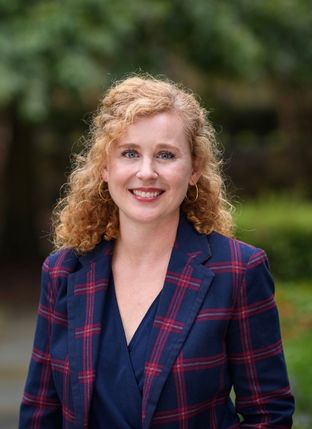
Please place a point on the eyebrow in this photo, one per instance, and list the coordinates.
(158, 146)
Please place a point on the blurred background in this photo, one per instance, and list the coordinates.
(251, 64)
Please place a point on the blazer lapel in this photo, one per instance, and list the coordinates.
(186, 285)
(86, 295)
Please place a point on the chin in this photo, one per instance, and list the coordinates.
(160, 217)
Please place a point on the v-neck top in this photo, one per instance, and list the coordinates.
(117, 396)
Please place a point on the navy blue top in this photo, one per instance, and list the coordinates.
(117, 395)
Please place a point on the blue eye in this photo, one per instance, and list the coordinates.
(165, 154)
(129, 153)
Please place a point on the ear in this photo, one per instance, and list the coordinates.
(196, 173)
(105, 174)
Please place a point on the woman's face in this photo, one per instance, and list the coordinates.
(149, 170)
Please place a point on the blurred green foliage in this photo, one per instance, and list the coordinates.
(51, 49)
(259, 38)
(295, 306)
(55, 51)
(282, 226)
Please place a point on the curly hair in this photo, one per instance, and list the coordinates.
(87, 214)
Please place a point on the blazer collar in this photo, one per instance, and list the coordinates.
(190, 244)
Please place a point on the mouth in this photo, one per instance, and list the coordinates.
(148, 194)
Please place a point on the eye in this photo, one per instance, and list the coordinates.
(165, 154)
(130, 153)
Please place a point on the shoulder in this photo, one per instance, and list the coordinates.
(61, 262)
(54, 274)
(224, 248)
(242, 265)
(65, 261)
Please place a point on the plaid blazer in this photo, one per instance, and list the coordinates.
(216, 327)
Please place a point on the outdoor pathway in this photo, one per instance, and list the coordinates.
(16, 336)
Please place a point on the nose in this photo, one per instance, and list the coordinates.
(147, 169)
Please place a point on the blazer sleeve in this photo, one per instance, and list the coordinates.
(40, 406)
(257, 363)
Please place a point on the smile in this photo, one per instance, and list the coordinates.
(146, 194)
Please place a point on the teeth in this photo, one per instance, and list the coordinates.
(143, 194)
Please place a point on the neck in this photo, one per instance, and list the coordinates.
(141, 242)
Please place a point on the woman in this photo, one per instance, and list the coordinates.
(150, 312)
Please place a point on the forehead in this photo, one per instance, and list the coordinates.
(159, 128)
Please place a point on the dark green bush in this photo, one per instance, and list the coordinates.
(284, 230)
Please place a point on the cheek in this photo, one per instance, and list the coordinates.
(184, 172)
(181, 178)
(117, 174)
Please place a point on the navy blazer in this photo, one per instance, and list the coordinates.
(216, 328)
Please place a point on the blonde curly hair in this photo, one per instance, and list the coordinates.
(87, 214)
